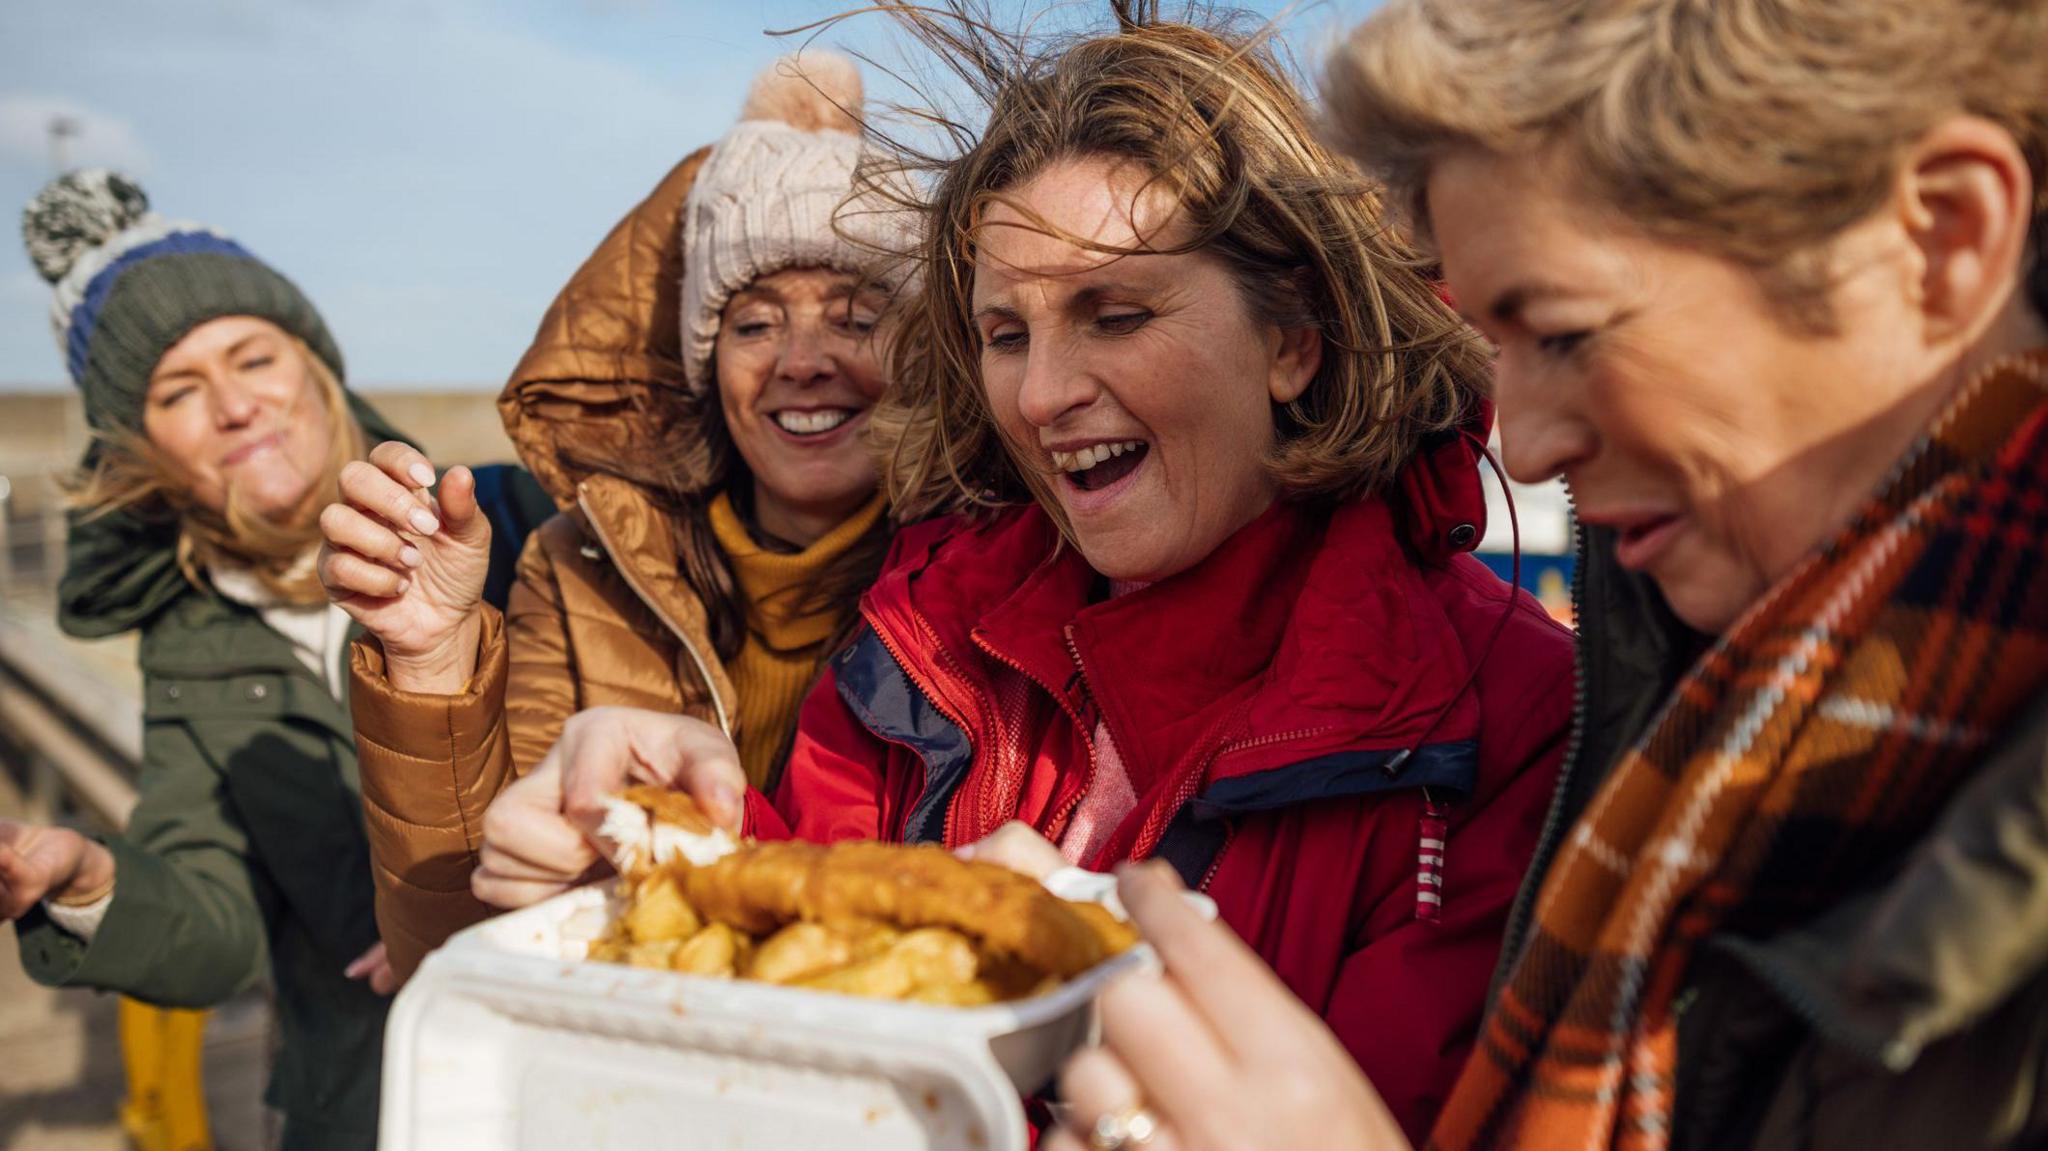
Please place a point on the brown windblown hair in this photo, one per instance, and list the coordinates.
(1756, 129)
(1208, 111)
(129, 474)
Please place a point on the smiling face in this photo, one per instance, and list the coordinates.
(1688, 411)
(235, 408)
(798, 369)
(1136, 390)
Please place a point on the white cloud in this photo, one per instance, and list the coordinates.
(98, 139)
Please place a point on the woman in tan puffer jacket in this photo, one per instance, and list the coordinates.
(696, 401)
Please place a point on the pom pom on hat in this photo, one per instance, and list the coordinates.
(75, 213)
(128, 284)
(778, 192)
(815, 92)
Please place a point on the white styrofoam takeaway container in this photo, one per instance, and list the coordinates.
(506, 1040)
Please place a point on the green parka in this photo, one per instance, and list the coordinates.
(246, 851)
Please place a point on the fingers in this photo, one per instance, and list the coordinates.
(1095, 1085)
(375, 966)
(365, 962)
(1017, 846)
(374, 492)
(348, 530)
(346, 575)
(1225, 981)
(715, 779)
(457, 497)
(1168, 1048)
(505, 865)
(603, 748)
(525, 826)
(22, 883)
(511, 894)
(404, 463)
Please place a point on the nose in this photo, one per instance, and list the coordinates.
(808, 354)
(1055, 383)
(1542, 433)
(234, 404)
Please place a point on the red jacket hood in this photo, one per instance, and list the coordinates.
(1315, 629)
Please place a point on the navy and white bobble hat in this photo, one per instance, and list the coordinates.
(130, 284)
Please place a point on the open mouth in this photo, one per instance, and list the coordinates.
(816, 422)
(1093, 468)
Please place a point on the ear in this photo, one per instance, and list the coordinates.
(1297, 355)
(1965, 197)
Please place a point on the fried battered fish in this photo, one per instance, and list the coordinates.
(765, 885)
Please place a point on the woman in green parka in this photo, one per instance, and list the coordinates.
(220, 425)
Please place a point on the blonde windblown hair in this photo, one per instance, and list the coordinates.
(129, 474)
(1756, 129)
(1209, 113)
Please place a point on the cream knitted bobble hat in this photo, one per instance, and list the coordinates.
(767, 196)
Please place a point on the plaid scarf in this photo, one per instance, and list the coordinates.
(1812, 745)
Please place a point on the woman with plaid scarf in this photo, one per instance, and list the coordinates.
(1768, 286)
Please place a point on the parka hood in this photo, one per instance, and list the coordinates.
(602, 389)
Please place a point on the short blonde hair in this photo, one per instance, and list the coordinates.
(1209, 113)
(129, 474)
(1756, 129)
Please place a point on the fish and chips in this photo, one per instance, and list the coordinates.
(883, 921)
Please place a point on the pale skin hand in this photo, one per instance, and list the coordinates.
(49, 862)
(539, 834)
(1017, 846)
(409, 567)
(373, 965)
(1217, 1048)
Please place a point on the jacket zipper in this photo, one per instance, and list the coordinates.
(633, 582)
(1546, 841)
(932, 697)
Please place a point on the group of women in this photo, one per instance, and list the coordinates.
(1101, 493)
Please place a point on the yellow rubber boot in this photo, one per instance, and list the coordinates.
(166, 1105)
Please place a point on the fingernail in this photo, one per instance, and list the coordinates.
(404, 585)
(964, 851)
(353, 970)
(426, 524)
(727, 803)
(422, 475)
(411, 556)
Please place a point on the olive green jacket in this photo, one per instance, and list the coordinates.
(246, 854)
(1912, 1014)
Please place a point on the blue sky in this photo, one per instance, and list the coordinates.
(429, 171)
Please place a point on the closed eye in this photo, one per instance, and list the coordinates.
(1563, 343)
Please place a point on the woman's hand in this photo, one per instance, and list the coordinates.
(54, 863)
(373, 965)
(409, 567)
(1017, 846)
(1216, 1054)
(539, 835)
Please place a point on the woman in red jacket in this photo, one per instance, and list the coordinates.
(1196, 453)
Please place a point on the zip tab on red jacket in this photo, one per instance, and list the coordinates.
(1429, 859)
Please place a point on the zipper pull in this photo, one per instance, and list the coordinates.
(1429, 859)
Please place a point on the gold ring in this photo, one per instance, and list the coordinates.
(1133, 1126)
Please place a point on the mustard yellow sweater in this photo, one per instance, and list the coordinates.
(784, 643)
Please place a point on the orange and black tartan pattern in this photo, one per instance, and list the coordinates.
(1813, 744)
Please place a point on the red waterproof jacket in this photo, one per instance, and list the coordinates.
(1284, 710)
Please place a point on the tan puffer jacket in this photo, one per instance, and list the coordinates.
(600, 613)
